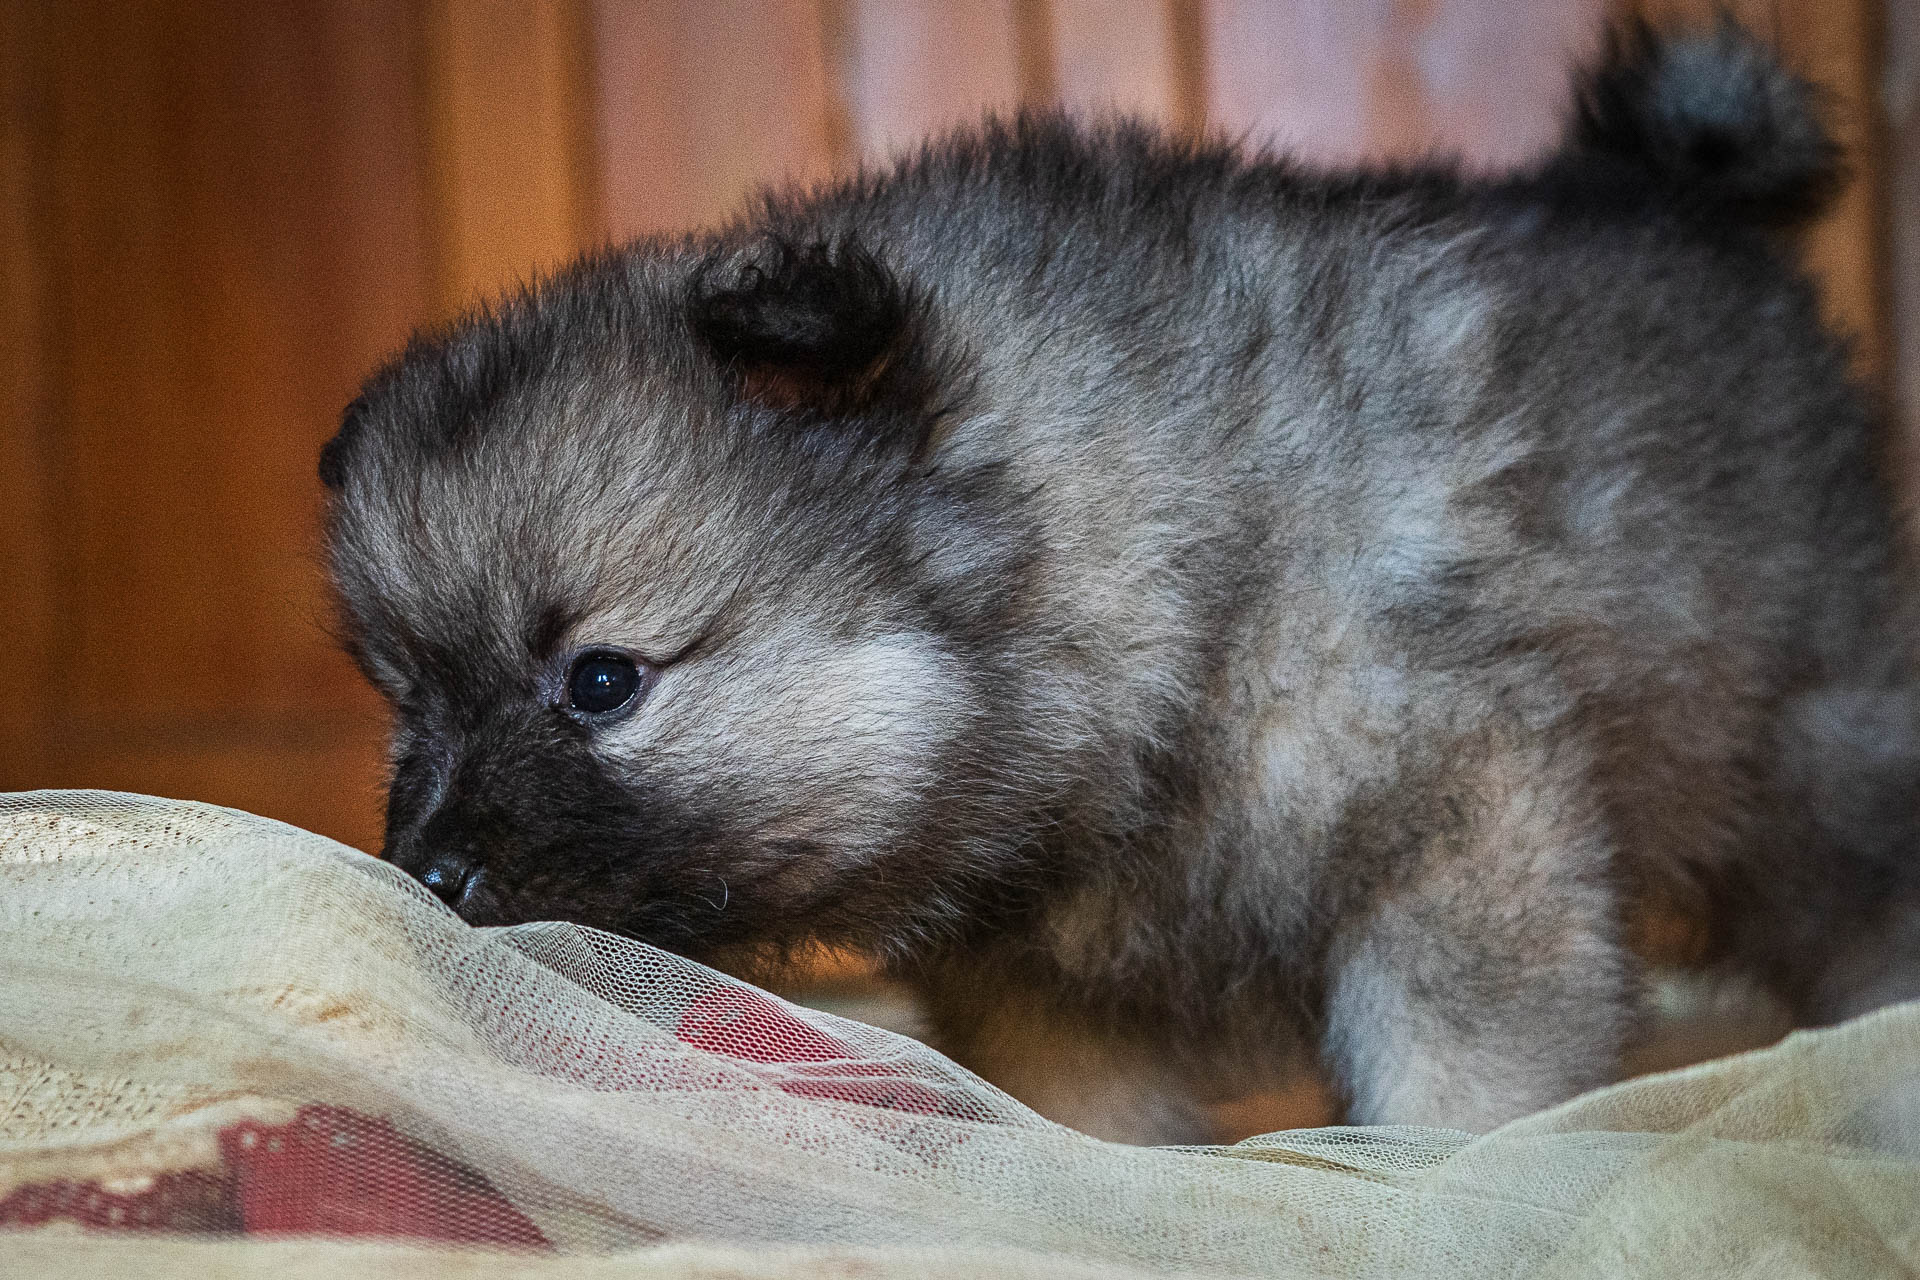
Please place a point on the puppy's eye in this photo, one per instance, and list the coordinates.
(602, 682)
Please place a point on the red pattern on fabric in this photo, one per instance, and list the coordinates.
(337, 1172)
(744, 1024)
(193, 1202)
(329, 1171)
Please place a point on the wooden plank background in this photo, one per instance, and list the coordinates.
(1900, 210)
(216, 216)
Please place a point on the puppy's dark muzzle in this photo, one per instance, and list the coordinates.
(453, 877)
(456, 872)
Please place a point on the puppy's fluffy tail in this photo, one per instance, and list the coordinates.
(1707, 119)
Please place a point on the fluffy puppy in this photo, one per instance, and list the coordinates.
(1180, 611)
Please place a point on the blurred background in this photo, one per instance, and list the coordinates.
(216, 216)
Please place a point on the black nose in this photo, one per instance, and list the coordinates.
(451, 876)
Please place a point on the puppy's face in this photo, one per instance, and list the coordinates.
(666, 608)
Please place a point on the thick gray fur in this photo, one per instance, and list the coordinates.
(1186, 614)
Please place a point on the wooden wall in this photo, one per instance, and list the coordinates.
(216, 220)
(1900, 187)
(217, 215)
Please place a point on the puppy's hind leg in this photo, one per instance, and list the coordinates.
(1484, 978)
(1843, 934)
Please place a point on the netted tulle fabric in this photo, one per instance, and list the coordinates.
(228, 1046)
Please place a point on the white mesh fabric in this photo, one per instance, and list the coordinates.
(221, 1028)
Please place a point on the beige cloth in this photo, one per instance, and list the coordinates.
(170, 970)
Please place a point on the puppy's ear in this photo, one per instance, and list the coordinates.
(1708, 121)
(818, 327)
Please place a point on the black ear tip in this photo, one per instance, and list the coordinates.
(820, 315)
(1710, 117)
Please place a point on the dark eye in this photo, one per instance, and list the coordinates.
(602, 682)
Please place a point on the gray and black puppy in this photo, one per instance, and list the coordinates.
(1178, 610)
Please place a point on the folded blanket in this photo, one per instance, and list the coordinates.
(228, 1046)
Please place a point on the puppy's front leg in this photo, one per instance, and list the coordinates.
(1483, 978)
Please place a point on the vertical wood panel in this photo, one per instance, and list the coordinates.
(1117, 54)
(1292, 75)
(1835, 43)
(1495, 83)
(1186, 22)
(505, 84)
(912, 68)
(1342, 80)
(239, 241)
(28, 613)
(238, 234)
(1901, 191)
(696, 105)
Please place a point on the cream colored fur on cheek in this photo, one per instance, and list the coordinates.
(804, 737)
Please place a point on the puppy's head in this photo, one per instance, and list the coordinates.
(684, 634)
